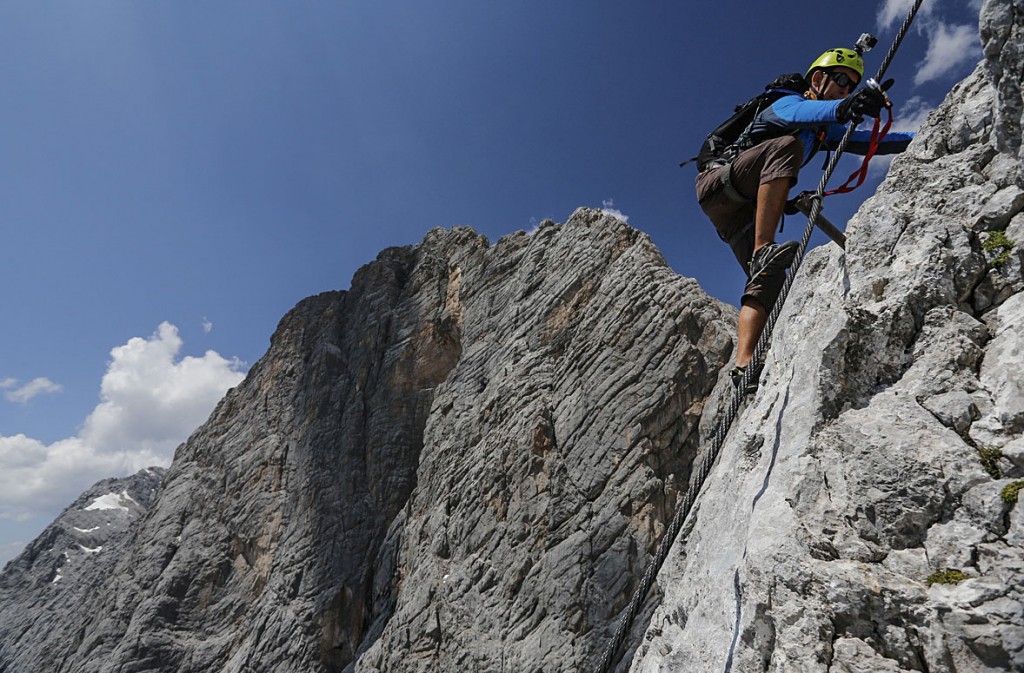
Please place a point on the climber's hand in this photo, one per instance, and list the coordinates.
(868, 101)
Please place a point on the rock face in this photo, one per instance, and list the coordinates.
(890, 422)
(459, 464)
(465, 462)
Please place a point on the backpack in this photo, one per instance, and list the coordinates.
(732, 136)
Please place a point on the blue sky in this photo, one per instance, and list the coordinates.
(176, 175)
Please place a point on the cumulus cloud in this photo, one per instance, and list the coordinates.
(9, 550)
(150, 401)
(912, 115)
(22, 394)
(949, 47)
(909, 117)
(895, 11)
(608, 208)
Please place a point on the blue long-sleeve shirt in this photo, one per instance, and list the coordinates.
(811, 118)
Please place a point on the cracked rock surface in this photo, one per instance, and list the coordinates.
(888, 424)
(462, 463)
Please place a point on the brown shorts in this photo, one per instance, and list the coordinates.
(773, 159)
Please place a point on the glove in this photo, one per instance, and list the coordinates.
(868, 101)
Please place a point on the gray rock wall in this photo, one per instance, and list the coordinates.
(446, 468)
(889, 423)
(261, 548)
(554, 452)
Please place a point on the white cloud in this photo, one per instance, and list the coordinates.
(895, 11)
(949, 47)
(37, 386)
(912, 114)
(150, 401)
(9, 550)
(909, 117)
(879, 166)
(207, 326)
(608, 208)
(535, 224)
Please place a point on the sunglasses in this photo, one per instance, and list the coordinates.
(843, 80)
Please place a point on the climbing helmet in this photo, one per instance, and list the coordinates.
(836, 57)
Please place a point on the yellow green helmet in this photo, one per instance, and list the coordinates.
(839, 56)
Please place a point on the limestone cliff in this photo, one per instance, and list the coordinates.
(465, 462)
(459, 464)
(882, 450)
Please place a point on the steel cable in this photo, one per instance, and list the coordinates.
(708, 459)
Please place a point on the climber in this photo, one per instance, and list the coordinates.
(744, 193)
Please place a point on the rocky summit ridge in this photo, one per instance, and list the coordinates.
(466, 461)
(446, 467)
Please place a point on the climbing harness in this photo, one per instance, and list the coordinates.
(700, 474)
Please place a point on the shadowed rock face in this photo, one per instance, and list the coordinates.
(889, 423)
(459, 464)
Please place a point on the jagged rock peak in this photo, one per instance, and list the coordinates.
(94, 522)
(447, 467)
(74, 556)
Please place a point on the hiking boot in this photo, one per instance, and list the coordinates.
(737, 378)
(772, 258)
